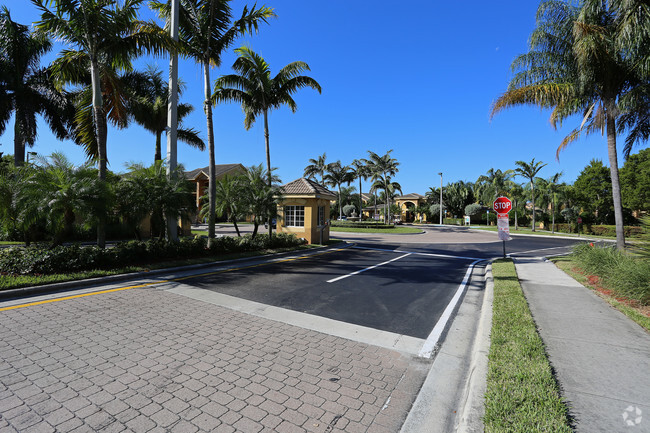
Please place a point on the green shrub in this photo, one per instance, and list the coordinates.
(627, 275)
(362, 225)
(39, 259)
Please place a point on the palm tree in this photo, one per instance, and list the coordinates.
(529, 171)
(258, 93)
(26, 88)
(104, 36)
(495, 183)
(260, 198)
(148, 107)
(587, 60)
(360, 171)
(338, 174)
(553, 187)
(230, 199)
(383, 168)
(317, 166)
(516, 193)
(207, 30)
(60, 191)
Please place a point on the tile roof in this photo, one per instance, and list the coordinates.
(412, 195)
(219, 169)
(305, 186)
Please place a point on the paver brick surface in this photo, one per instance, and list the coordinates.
(146, 360)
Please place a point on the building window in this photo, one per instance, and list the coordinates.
(294, 216)
(321, 215)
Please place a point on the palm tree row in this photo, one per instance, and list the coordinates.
(380, 169)
(102, 37)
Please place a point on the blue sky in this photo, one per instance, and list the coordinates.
(417, 77)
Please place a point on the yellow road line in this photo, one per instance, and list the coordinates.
(83, 295)
(48, 301)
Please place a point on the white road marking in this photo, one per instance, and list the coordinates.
(367, 269)
(432, 340)
(444, 256)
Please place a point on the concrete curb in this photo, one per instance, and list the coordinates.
(69, 285)
(451, 397)
(471, 417)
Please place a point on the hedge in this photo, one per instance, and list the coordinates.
(362, 225)
(39, 259)
(600, 230)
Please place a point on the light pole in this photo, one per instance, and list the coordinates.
(440, 197)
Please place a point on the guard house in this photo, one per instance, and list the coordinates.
(303, 209)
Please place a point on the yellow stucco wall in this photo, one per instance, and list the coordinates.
(310, 231)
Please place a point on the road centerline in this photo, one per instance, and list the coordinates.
(367, 269)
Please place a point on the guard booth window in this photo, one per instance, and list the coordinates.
(321, 215)
(294, 216)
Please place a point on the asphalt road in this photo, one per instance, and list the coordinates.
(406, 294)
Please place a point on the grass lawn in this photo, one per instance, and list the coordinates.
(17, 281)
(526, 231)
(370, 230)
(639, 314)
(11, 243)
(522, 393)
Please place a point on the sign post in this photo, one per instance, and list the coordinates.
(502, 206)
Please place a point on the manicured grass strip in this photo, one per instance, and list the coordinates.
(11, 243)
(571, 267)
(522, 393)
(17, 281)
(365, 230)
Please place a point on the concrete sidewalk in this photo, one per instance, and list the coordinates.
(601, 358)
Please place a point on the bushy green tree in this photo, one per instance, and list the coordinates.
(593, 189)
(635, 181)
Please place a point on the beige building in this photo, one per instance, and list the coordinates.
(304, 209)
(407, 204)
(200, 177)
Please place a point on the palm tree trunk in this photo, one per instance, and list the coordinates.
(360, 202)
(19, 143)
(268, 161)
(553, 212)
(515, 209)
(340, 204)
(212, 181)
(616, 186)
(532, 188)
(101, 132)
(158, 155)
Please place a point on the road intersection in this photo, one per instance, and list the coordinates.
(322, 341)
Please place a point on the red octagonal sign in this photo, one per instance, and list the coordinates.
(502, 205)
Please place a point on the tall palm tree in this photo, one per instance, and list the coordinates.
(207, 29)
(529, 171)
(495, 183)
(588, 60)
(26, 88)
(516, 193)
(258, 93)
(103, 36)
(148, 107)
(230, 199)
(383, 168)
(360, 171)
(317, 166)
(338, 174)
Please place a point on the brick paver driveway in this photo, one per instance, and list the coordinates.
(147, 360)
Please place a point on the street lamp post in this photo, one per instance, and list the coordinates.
(440, 197)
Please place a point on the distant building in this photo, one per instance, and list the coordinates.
(200, 177)
(407, 205)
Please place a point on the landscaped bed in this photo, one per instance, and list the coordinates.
(522, 394)
(21, 267)
(622, 279)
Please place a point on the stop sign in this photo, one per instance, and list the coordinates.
(502, 205)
